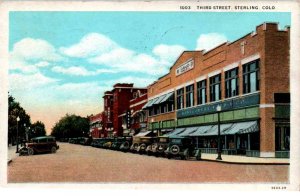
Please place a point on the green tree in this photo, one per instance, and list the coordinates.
(16, 128)
(71, 126)
(37, 129)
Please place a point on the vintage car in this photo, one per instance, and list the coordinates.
(158, 148)
(144, 143)
(86, 141)
(135, 144)
(182, 147)
(125, 146)
(41, 144)
(95, 142)
(107, 143)
(117, 142)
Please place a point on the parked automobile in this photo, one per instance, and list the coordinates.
(117, 142)
(125, 146)
(144, 143)
(41, 144)
(95, 142)
(158, 148)
(86, 141)
(182, 147)
(107, 143)
(135, 144)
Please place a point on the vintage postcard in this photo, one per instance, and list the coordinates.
(161, 95)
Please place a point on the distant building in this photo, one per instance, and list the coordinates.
(96, 125)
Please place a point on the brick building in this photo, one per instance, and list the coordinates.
(116, 103)
(107, 114)
(96, 125)
(134, 119)
(248, 78)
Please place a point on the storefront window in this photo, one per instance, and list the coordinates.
(282, 138)
(251, 77)
(215, 88)
(201, 92)
(180, 99)
(189, 95)
(231, 83)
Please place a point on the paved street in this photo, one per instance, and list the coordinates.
(76, 163)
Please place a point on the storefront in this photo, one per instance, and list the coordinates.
(238, 77)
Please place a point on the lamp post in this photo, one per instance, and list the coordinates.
(219, 133)
(17, 150)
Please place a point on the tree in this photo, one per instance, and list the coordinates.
(15, 111)
(37, 129)
(71, 126)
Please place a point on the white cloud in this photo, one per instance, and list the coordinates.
(90, 45)
(21, 82)
(28, 55)
(210, 40)
(79, 71)
(34, 49)
(168, 53)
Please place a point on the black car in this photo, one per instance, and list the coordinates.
(116, 143)
(182, 147)
(144, 143)
(158, 148)
(125, 146)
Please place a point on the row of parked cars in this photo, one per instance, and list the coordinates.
(163, 146)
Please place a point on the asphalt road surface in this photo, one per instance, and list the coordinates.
(76, 163)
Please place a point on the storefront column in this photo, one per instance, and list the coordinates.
(249, 144)
(225, 142)
(197, 142)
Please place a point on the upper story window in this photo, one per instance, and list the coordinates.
(189, 95)
(251, 77)
(201, 92)
(171, 103)
(215, 88)
(232, 82)
(180, 98)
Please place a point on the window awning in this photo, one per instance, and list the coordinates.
(140, 134)
(159, 100)
(242, 127)
(175, 132)
(188, 131)
(166, 130)
(149, 103)
(163, 98)
(225, 129)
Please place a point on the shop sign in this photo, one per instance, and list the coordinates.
(185, 67)
(226, 105)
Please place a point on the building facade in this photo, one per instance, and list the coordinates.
(96, 125)
(134, 119)
(118, 103)
(107, 115)
(247, 78)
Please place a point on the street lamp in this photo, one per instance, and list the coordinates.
(219, 133)
(17, 150)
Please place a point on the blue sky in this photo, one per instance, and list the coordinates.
(68, 59)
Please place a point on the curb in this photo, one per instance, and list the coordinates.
(244, 163)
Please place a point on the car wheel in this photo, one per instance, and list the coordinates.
(175, 149)
(30, 151)
(187, 156)
(53, 149)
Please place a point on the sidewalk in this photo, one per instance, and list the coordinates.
(234, 159)
(11, 153)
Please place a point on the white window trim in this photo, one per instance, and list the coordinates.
(211, 74)
(250, 58)
(231, 66)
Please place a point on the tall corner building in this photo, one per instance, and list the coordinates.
(248, 79)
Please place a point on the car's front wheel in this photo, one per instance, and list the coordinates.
(30, 151)
(53, 149)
